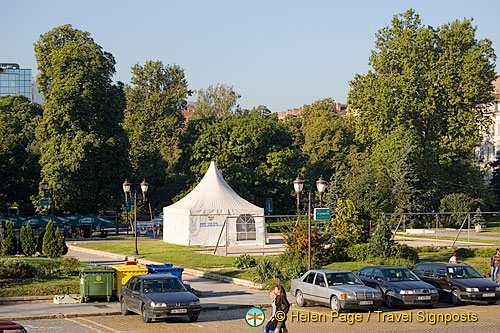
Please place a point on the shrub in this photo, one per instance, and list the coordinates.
(50, 247)
(388, 261)
(9, 240)
(49, 268)
(267, 269)
(70, 266)
(297, 241)
(60, 243)
(465, 253)
(359, 252)
(16, 268)
(403, 251)
(244, 261)
(27, 239)
(39, 243)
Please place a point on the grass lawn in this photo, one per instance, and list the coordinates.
(157, 250)
(39, 285)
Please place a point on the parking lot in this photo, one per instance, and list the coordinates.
(488, 320)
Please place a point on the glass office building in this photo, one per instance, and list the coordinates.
(15, 80)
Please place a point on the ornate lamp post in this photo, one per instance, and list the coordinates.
(126, 189)
(298, 186)
(45, 188)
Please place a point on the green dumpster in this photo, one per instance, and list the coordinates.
(96, 281)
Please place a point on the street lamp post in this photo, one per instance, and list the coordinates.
(298, 185)
(45, 188)
(126, 189)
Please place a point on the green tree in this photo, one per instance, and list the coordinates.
(345, 230)
(50, 247)
(60, 243)
(255, 154)
(81, 141)
(216, 101)
(328, 138)
(432, 85)
(154, 122)
(9, 240)
(19, 153)
(27, 238)
(381, 240)
(460, 203)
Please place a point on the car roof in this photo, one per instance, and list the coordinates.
(156, 276)
(382, 267)
(446, 264)
(330, 270)
(9, 324)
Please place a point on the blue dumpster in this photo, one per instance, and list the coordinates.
(166, 269)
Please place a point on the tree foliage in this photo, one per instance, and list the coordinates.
(50, 247)
(216, 101)
(432, 85)
(27, 239)
(154, 121)
(81, 141)
(19, 153)
(381, 240)
(9, 240)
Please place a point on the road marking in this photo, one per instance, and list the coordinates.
(97, 324)
(82, 324)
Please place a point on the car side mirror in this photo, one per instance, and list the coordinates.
(379, 279)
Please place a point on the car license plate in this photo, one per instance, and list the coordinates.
(179, 311)
(423, 298)
(489, 295)
(365, 302)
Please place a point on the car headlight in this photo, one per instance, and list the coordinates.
(377, 295)
(194, 303)
(158, 305)
(407, 292)
(471, 290)
(497, 288)
(351, 295)
(434, 291)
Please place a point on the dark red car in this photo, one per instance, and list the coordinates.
(11, 327)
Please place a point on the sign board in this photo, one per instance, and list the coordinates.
(269, 205)
(44, 202)
(128, 205)
(321, 214)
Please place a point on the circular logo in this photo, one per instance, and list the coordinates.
(98, 278)
(279, 315)
(255, 317)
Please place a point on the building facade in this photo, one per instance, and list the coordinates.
(297, 112)
(489, 149)
(15, 81)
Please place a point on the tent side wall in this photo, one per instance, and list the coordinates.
(176, 227)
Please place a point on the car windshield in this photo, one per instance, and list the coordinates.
(399, 274)
(335, 279)
(463, 272)
(162, 286)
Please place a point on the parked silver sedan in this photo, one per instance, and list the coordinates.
(338, 289)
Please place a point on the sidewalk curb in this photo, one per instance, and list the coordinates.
(114, 313)
(188, 271)
(25, 299)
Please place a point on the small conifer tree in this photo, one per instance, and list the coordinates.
(9, 240)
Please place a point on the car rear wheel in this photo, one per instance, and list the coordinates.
(193, 318)
(455, 297)
(300, 298)
(335, 304)
(123, 307)
(389, 300)
(145, 316)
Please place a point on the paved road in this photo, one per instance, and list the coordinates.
(487, 316)
(417, 242)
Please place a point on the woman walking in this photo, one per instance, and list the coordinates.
(282, 305)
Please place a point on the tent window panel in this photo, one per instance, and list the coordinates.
(245, 228)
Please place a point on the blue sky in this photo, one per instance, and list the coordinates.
(282, 54)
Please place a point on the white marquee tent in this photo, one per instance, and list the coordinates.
(200, 217)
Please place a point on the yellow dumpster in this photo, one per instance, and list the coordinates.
(125, 272)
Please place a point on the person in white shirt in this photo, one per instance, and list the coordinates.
(453, 258)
